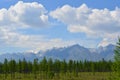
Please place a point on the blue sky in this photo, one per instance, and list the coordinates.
(53, 4)
(33, 25)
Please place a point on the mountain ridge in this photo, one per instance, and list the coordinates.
(74, 52)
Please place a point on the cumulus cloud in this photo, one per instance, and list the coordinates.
(33, 42)
(88, 20)
(109, 39)
(24, 15)
(94, 22)
(102, 23)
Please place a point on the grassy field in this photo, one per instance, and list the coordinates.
(60, 76)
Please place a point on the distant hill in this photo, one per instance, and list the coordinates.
(74, 52)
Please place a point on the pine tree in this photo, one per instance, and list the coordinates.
(5, 67)
(43, 65)
(24, 67)
(35, 67)
(63, 66)
(116, 65)
(70, 65)
(19, 66)
(12, 68)
(1, 67)
(93, 68)
(50, 65)
(30, 67)
(56, 66)
(50, 71)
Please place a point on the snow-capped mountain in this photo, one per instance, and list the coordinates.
(74, 52)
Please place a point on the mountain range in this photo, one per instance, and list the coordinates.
(74, 52)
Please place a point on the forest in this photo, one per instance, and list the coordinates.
(50, 68)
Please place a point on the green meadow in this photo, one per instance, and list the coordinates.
(59, 76)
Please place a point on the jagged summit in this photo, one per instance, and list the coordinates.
(75, 52)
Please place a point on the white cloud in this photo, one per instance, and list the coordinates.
(24, 15)
(32, 42)
(93, 22)
(105, 42)
(109, 39)
(88, 20)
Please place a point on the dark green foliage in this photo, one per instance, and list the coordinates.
(49, 68)
(24, 66)
(63, 66)
(70, 65)
(1, 68)
(5, 68)
(43, 65)
(12, 66)
(116, 65)
(30, 67)
(50, 74)
(56, 66)
(35, 67)
(50, 65)
(117, 51)
(19, 66)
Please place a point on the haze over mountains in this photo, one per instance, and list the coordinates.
(74, 52)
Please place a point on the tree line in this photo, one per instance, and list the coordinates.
(53, 66)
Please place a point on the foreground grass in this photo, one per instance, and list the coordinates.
(60, 76)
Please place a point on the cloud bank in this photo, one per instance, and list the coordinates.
(93, 22)
(24, 15)
(32, 42)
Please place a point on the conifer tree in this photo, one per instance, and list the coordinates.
(63, 66)
(56, 66)
(19, 66)
(70, 65)
(43, 64)
(35, 67)
(24, 67)
(30, 67)
(116, 65)
(5, 67)
(12, 68)
(50, 65)
(1, 67)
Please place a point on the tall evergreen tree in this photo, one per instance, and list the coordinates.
(63, 66)
(5, 67)
(19, 66)
(12, 68)
(24, 67)
(56, 66)
(50, 65)
(43, 65)
(30, 67)
(1, 67)
(116, 65)
(35, 67)
(70, 65)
